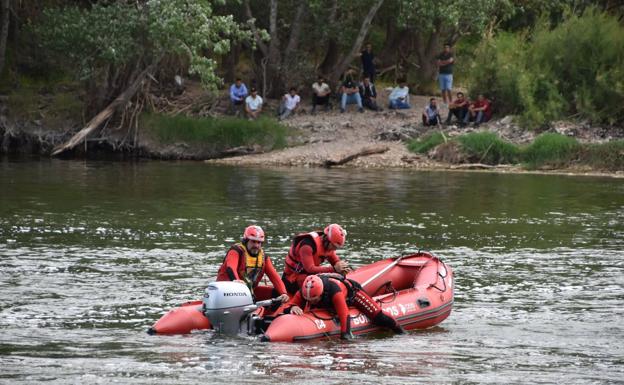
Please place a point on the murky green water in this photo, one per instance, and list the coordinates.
(91, 254)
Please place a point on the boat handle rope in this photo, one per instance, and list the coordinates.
(441, 276)
(394, 292)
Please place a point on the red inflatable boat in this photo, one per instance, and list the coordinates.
(416, 289)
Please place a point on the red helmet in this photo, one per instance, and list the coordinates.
(335, 234)
(255, 233)
(312, 287)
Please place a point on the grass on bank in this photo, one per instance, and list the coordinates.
(550, 149)
(488, 148)
(603, 156)
(547, 150)
(223, 133)
(426, 143)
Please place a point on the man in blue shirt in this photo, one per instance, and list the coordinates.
(238, 93)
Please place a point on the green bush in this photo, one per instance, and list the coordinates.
(426, 143)
(488, 148)
(573, 70)
(497, 71)
(604, 156)
(222, 133)
(550, 149)
(582, 62)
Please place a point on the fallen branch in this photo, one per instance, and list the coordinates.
(364, 152)
(242, 150)
(94, 123)
(477, 166)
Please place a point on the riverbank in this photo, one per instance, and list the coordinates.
(378, 140)
(325, 139)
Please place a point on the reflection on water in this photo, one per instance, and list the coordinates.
(92, 253)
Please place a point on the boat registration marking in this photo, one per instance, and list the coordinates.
(320, 324)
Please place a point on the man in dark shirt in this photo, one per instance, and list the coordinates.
(368, 65)
(350, 94)
(445, 76)
(368, 93)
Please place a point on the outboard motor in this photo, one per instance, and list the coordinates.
(226, 305)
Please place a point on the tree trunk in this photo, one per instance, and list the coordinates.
(275, 58)
(295, 32)
(229, 63)
(100, 118)
(357, 44)
(4, 32)
(331, 52)
(426, 51)
(331, 57)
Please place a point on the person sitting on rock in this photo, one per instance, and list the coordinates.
(368, 93)
(320, 94)
(290, 103)
(253, 105)
(479, 111)
(431, 115)
(458, 108)
(333, 291)
(399, 97)
(238, 93)
(350, 94)
(246, 262)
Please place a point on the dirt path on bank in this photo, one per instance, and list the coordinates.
(332, 136)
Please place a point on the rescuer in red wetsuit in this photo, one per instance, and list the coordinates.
(308, 251)
(335, 291)
(246, 262)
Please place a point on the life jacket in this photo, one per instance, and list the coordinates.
(249, 268)
(318, 251)
(330, 288)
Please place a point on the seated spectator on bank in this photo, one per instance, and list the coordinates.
(458, 108)
(368, 93)
(431, 115)
(480, 111)
(290, 103)
(320, 94)
(253, 104)
(350, 94)
(238, 93)
(399, 97)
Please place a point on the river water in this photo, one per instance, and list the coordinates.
(92, 253)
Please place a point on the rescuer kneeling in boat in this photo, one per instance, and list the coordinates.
(308, 251)
(337, 292)
(246, 262)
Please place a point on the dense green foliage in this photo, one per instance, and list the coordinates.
(488, 148)
(426, 143)
(122, 35)
(573, 70)
(220, 133)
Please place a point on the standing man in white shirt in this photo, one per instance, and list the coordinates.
(253, 104)
(290, 103)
